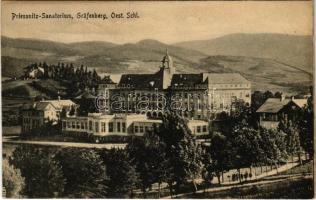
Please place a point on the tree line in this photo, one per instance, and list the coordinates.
(78, 77)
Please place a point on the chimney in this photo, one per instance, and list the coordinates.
(293, 98)
(58, 97)
(282, 97)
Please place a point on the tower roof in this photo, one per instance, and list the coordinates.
(167, 57)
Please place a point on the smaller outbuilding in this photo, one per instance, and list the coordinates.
(275, 109)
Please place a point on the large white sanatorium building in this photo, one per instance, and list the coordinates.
(196, 97)
(199, 95)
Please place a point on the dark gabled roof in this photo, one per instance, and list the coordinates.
(141, 81)
(43, 105)
(85, 95)
(273, 105)
(186, 79)
(60, 104)
(37, 106)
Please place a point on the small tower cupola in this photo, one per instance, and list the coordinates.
(167, 62)
(167, 70)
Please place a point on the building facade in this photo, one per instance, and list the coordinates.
(37, 114)
(194, 96)
(100, 125)
(276, 109)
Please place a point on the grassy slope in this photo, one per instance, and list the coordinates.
(265, 74)
(290, 49)
(19, 88)
(26, 89)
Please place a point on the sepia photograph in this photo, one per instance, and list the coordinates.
(157, 99)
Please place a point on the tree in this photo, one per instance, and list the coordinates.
(84, 171)
(149, 156)
(273, 145)
(42, 172)
(291, 137)
(258, 98)
(221, 155)
(183, 153)
(306, 128)
(277, 94)
(207, 170)
(122, 174)
(246, 142)
(13, 182)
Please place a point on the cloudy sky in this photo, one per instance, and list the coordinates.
(165, 21)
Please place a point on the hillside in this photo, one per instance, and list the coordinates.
(142, 57)
(290, 49)
(91, 48)
(264, 74)
(145, 56)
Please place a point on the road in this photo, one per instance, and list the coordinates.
(13, 140)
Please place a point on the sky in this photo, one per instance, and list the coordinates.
(168, 22)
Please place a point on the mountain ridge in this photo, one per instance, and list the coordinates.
(145, 56)
(294, 50)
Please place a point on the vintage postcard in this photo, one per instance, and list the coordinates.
(157, 99)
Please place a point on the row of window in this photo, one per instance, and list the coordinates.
(200, 129)
(182, 86)
(231, 85)
(142, 129)
(120, 127)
